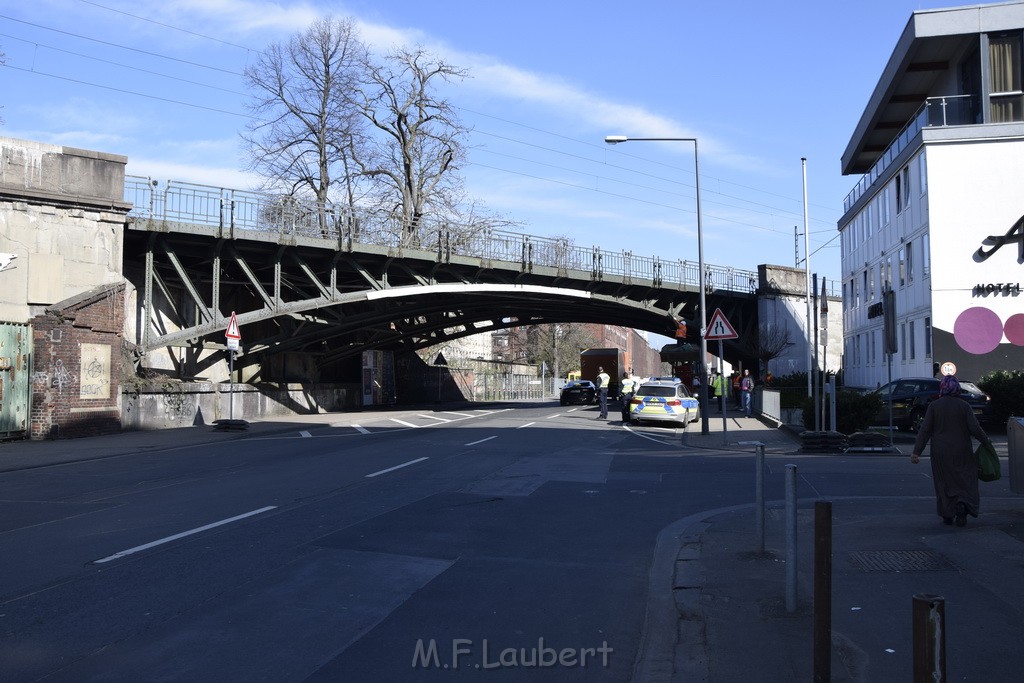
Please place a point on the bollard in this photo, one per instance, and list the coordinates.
(929, 628)
(822, 591)
(759, 497)
(790, 538)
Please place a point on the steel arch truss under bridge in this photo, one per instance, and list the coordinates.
(333, 292)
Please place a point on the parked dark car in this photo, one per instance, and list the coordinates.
(578, 391)
(910, 398)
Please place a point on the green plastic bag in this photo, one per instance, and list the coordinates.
(988, 463)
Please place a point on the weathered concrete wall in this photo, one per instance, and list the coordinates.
(194, 403)
(62, 213)
(782, 302)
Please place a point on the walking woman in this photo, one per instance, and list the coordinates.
(950, 423)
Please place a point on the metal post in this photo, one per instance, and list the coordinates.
(832, 401)
(815, 396)
(231, 390)
(807, 273)
(726, 388)
(822, 591)
(704, 428)
(791, 538)
(759, 497)
(929, 646)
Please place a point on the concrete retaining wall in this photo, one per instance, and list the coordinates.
(194, 403)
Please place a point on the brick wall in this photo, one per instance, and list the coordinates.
(76, 383)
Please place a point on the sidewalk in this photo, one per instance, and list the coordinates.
(726, 615)
(23, 454)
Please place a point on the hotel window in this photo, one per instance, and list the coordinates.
(927, 337)
(885, 207)
(902, 190)
(871, 279)
(922, 172)
(903, 270)
(903, 341)
(926, 256)
(856, 351)
(913, 347)
(856, 293)
(1005, 79)
(910, 261)
(874, 346)
(865, 286)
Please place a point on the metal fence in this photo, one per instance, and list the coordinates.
(241, 210)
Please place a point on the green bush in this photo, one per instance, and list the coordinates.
(1006, 388)
(854, 411)
(792, 390)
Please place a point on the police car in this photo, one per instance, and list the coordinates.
(663, 400)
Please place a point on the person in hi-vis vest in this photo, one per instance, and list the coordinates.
(627, 389)
(603, 380)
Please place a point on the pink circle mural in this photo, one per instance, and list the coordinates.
(1014, 329)
(978, 330)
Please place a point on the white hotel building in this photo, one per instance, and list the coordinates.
(939, 211)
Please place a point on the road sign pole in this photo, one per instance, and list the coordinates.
(726, 387)
(231, 380)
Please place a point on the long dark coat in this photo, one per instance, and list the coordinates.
(950, 423)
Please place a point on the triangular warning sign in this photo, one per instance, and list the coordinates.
(719, 327)
(232, 332)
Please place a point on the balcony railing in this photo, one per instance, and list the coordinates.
(954, 110)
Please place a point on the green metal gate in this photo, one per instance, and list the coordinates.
(15, 378)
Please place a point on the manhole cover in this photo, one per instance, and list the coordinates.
(901, 561)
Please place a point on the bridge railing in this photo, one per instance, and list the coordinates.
(182, 202)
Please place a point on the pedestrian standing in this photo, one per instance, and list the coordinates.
(626, 390)
(746, 391)
(603, 380)
(718, 386)
(949, 423)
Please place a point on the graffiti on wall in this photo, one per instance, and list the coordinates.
(95, 372)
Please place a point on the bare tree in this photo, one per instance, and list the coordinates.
(771, 342)
(420, 144)
(307, 128)
(559, 345)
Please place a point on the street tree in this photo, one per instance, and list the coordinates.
(420, 143)
(306, 127)
(558, 345)
(770, 342)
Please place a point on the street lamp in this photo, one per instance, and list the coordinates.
(616, 139)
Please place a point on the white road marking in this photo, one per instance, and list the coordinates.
(434, 417)
(305, 434)
(481, 441)
(451, 412)
(396, 467)
(526, 425)
(555, 415)
(183, 534)
(663, 443)
(361, 430)
(403, 422)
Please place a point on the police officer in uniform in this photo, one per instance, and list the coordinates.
(627, 389)
(603, 380)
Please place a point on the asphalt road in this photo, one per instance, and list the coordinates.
(516, 541)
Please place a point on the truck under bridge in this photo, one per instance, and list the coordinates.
(333, 282)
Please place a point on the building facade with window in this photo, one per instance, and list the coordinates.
(937, 218)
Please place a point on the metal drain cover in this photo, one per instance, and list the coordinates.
(901, 561)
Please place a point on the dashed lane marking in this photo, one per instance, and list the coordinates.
(396, 467)
(473, 443)
(183, 534)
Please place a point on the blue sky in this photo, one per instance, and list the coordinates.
(760, 84)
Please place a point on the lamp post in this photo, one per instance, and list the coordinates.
(616, 139)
